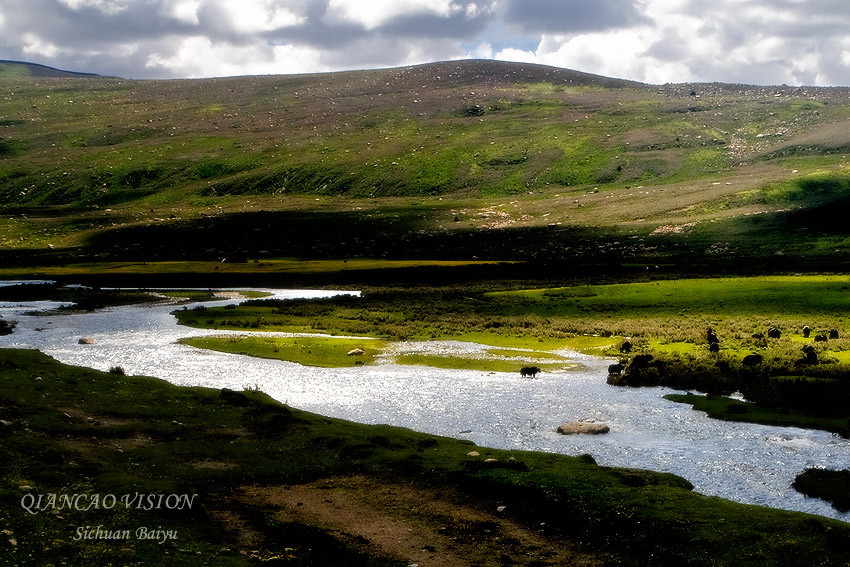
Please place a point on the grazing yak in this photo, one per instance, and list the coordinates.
(752, 360)
(820, 338)
(833, 334)
(807, 331)
(810, 358)
(774, 333)
(626, 347)
(531, 371)
(713, 347)
(711, 336)
(811, 355)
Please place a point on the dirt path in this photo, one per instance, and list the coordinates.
(429, 529)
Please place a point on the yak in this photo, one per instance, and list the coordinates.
(531, 371)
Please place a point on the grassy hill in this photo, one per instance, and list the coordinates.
(18, 69)
(499, 160)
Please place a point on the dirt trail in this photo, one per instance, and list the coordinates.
(429, 529)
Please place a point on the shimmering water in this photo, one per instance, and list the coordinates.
(743, 462)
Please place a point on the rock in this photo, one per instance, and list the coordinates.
(583, 428)
(473, 454)
(356, 352)
(86, 341)
(491, 460)
(501, 508)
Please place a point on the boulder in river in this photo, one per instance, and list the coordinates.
(86, 341)
(583, 428)
(356, 352)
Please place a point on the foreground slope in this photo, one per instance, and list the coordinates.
(274, 483)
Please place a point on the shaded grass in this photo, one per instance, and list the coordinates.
(830, 485)
(728, 409)
(264, 266)
(629, 516)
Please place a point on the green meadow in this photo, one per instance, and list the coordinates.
(248, 461)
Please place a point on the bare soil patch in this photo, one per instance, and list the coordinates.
(433, 529)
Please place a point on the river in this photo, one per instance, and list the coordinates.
(744, 462)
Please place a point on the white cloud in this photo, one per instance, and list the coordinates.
(482, 51)
(34, 45)
(246, 18)
(372, 13)
(186, 12)
(517, 55)
(199, 57)
(105, 6)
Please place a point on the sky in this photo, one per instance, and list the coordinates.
(768, 42)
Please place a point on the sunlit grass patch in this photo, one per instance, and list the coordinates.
(476, 363)
(326, 352)
(523, 353)
(666, 347)
(517, 341)
(592, 344)
(774, 295)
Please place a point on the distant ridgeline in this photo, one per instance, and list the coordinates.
(13, 69)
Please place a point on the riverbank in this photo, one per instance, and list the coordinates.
(263, 474)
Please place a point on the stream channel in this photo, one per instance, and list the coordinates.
(745, 462)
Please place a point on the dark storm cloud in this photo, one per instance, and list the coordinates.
(565, 16)
(316, 32)
(86, 26)
(457, 26)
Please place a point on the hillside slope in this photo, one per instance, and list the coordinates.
(445, 148)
